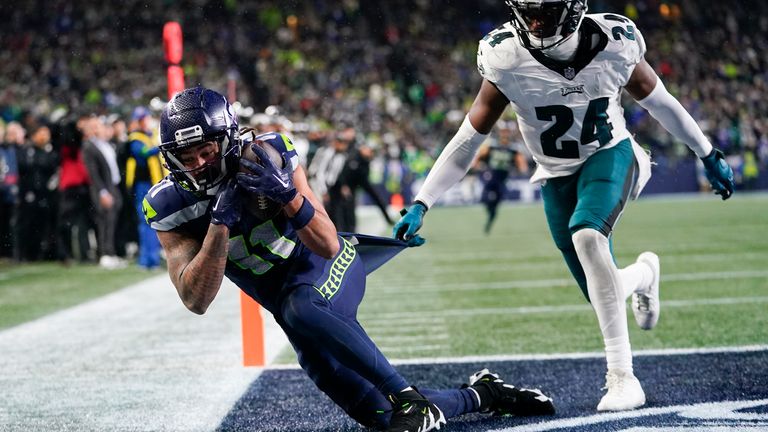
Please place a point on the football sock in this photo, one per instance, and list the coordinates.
(606, 294)
(635, 277)
(453, 402)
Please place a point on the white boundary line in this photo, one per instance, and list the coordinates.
(382, 288)
(614, 416)
(559, 356)
(527, 310)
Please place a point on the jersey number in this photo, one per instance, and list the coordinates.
(618, 31)
(594, 127)
(265, 235)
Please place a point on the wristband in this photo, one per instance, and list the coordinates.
(303, 216)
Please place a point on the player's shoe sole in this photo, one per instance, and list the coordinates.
(646, 305)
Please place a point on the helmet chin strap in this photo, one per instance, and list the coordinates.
(566, 50)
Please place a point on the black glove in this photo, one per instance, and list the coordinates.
(227, 206)
(268, 180)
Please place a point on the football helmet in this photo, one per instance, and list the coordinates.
(543, 24)
(192, 117)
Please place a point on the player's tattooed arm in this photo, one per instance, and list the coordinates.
(196, 269)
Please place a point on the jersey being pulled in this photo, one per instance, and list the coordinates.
(261, 253)
(567, 111)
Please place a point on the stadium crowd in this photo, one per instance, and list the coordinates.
(400, 74)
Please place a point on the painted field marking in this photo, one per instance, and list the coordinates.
(411, 338)
(556, 356)
(431, 288)
(607, 417)
(576, 356)
(514, 263)
(527, 310)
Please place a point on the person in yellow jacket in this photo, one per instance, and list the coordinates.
(143, 169)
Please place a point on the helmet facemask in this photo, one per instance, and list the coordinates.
(543, 24)
(211, 173)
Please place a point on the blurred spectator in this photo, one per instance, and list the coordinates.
(126, 234)
(355, 175)
(397, 70)
(74, 201)
(9, 186)
(101, 162)
(37, 167)
(143, 169)
(325, 167)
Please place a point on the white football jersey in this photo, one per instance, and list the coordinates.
(567, 111)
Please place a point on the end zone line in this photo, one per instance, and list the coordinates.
(614, 416)
(556, 356)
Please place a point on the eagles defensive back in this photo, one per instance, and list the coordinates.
(563, 72)
(291, 261)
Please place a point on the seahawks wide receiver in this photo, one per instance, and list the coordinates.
(563, 72)
(292, 262)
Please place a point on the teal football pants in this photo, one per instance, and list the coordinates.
(593, 197)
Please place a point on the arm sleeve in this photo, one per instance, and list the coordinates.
(670, 113)
(452, 164)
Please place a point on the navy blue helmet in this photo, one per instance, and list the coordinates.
(193, 117)
(543, 24)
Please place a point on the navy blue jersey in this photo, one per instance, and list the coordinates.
(261, 253)
(500, 161)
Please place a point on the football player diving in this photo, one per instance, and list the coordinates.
(257, 222)
(562, 71)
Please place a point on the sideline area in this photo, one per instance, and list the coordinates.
(132, 360)
(135, 359)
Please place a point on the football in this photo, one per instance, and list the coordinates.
(260, 206)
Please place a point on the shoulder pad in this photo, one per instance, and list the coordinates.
(624, 31)
(167, 205)
(495, 51)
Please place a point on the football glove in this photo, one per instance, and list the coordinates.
(267, 179)
(227, 207)
(410, 222)
(719, 173)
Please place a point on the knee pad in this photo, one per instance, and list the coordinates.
(588, 240)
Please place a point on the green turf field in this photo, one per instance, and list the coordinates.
(29, 291)
(465, 293)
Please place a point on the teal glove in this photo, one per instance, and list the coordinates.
(410, 222)
(719, 174)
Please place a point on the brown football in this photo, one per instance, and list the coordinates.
(259, 205)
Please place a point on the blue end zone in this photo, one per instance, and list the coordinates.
(286, 400)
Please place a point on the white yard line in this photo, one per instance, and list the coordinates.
(574, 356)
(704, 411)
(133, 360)
(526, 310)
(384, 288)
(556, 356)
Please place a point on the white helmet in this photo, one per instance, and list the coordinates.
(543, 24)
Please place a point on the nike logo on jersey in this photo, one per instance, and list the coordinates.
(565, 91)
(282, 182)
(216, 204)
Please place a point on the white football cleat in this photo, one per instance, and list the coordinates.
(645, 305)
(624, 392)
